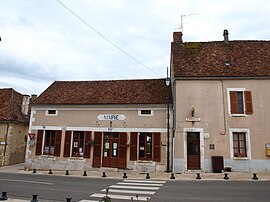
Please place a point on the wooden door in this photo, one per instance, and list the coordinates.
(110, 150)
(193, 151)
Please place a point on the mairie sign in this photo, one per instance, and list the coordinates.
(111, 117)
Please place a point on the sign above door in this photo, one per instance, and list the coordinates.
(111, 117)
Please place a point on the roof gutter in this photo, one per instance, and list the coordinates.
(223, 78)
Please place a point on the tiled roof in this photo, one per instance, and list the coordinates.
(11, 105)
(146, 91)
(207, 59)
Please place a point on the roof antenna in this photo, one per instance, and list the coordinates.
(182, 20)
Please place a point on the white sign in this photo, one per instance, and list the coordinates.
(111, 117)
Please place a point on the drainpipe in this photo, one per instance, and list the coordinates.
(5, 147)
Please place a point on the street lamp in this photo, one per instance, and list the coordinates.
(167, 80)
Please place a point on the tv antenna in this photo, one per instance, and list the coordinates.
(182, 20)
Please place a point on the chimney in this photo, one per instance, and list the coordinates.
(25, 104)
(226, 36)
(177, 37)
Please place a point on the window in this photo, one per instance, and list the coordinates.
(146, 112)
(51, 112)
(49, 143)
(240, 102)
(145, 146)
(239, 145)
(78, 144)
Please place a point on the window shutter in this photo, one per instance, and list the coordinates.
(87, 145)
(39, 142)
(97, 150)
(157, 148)
(133, 146)
(122, 161)
(233, 101)
(67, 144)
(58, 135)
(248, 102)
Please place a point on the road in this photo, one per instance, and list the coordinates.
(58, 188)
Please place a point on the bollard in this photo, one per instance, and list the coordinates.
(226, 177)
(131, 198)
(104, 174)
(255, 176)
(84, 173)
(67, 173)
(172, 176)
(125, 175)
(50, 171)
(4, 196)
(68, 199)
(34, 171)
(147, 176)
(34, 199)
(198, 176)
(147, 199)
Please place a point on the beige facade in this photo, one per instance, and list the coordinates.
(216, 125)
(13, 138)
(95, 118)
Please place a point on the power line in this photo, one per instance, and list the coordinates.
(108, 40)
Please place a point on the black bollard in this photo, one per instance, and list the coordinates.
(125, 175)
(147, 176)
(255, 176)
(4, 196)
(172, 176)
(104, 174)
(226, 177)
(34, 171)
(34, 199)
(50, 171)
(198, 176)
(84, 173)
(68, 199)
(67, 173)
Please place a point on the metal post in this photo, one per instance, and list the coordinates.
(168, 123)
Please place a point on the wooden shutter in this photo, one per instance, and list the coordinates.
(133, 146)
(57, 149)
(122, 160)
(97, 150)
(233, 100)
(67, 144)
(248, 102)
(87, 145)
(39, 142)
(157, 148)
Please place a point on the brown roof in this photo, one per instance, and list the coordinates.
(11, 105)
(207, 59)
(147, 91)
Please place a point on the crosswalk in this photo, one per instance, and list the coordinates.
(137, 190)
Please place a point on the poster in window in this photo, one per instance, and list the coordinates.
(105, 154)
(75, 144)
(115, 145)
(141, 148)
(114, 152)
(107, 145)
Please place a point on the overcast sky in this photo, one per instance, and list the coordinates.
(42, 41)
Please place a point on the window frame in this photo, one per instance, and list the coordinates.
(233, 131)
(145, 157)
(244, 102)
(49, 114)
(49, 132)
(81, 141)
(141, 114)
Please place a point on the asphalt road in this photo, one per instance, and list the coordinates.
(58, 188)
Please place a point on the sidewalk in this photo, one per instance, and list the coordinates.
(244, 176)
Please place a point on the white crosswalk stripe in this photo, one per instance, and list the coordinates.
(140, 190)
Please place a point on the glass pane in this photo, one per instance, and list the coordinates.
(115, 135)
(240, 103)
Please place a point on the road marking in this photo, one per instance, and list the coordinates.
(146, 181)
(25, 181)
(140, 184)
(140, 198)
(88, 201)
(134, 187)
(129, 191)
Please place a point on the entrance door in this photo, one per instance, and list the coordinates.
(110, 150)
(193, 151)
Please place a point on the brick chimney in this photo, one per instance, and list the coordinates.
(177, 37)
(226, 36)
(25, 104)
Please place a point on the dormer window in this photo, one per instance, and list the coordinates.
(51, 112)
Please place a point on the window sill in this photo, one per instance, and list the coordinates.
(47, 157)
(238, 115)
(241, 158)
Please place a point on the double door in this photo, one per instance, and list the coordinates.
(110, 150)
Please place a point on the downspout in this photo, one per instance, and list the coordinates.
(5, 147)
(224, 115)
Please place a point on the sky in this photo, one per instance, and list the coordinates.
(47, 40)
